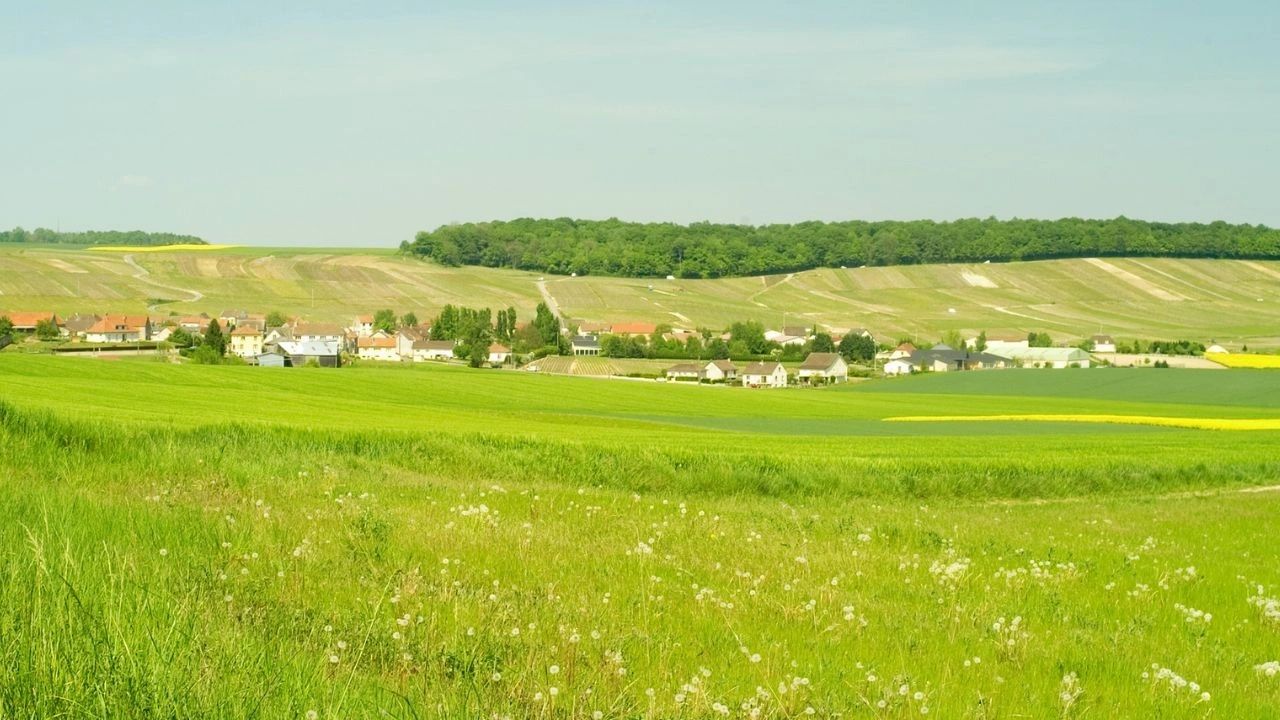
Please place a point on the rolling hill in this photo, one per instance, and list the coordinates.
(1233, 302)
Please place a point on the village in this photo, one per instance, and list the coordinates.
(790, 356)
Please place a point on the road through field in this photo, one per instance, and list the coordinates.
(145, 276)
(552, 305)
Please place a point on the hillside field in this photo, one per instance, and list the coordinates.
(1233, 302)
(412, 542)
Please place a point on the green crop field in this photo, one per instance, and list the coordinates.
(434, 541)
(1233, 302)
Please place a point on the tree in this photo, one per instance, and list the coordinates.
(181, 338)
(47, 330)
(548, 325)
(275, 318)
(1035, 339)
(409, 319)
(822, 343)
(954, 339)
(385, 320)
(6, 326)
(214, 339)
(751, 334)
(857, 348)
(980, 344)
(206, 355)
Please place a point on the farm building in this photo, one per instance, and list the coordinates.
(246, 341)
(27, 321)
(302, 352)
(944, 358)
(1103, 344)
(499, 354)
(686, 371)
(270, 360)
(585, 345)
(594, 328)
(377, 346)
(764, 374)
(720, 371)
(1216, 349)
(821, 368)
(997, 343)
(785, 338)
(194, 323)
(405, 339)
(120, 328)
(1051, 357)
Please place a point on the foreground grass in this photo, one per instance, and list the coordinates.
(229, 542)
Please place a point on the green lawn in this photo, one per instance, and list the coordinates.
(195, 541)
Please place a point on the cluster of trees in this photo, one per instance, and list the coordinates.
(207, 348)
(96, 237)
(746, 341)
(706, 250)
(1161, 347)
(475, 329)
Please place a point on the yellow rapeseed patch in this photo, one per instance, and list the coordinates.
(1162, 421)
(158, 248)
(1238, 360)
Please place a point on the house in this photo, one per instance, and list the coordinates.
(320, 332)
(944, 358)
(686, 371)
(799, 331)
(764, 374)
(247, 341)
(585, 345)
(27, 321)
(275, 336)
(229, 318)
(720, 371)
(433, 350)
(1103, 344)
(120, 328)
(378, 346)
(405, 339)
(824, 368)
(1051, 357)
(194, 323)
(499, 354)
(77, 325)
(594, 328)
(163, 333)
(633, 328)
(362, 326)
(900, 366)
(304, 352)
(902, 351)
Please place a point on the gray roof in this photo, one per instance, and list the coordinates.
(587, 341)
(819, 361)
(761, 368)
(686, 369)
(310, 347)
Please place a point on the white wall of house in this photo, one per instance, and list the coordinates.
(382, 354)
(246, 345)
(778, 378)
(899, 367)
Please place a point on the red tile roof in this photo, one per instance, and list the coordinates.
(634, 328)
(114, 323)
(24, 320)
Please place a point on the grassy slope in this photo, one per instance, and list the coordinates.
(1166, 298)
(230, 542)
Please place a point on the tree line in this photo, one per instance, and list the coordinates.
(708, 250)
(96, 237)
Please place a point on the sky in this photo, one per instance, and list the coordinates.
(316, 122)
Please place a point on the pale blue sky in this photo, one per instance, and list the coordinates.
(316, 123)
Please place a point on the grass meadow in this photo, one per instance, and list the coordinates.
(236, 542)
(1232, 302)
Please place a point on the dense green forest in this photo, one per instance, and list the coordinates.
(614, 247)
(96, 237)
